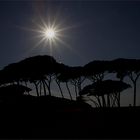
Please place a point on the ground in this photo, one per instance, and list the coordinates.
(35, 120)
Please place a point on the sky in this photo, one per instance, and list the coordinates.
(92, 30)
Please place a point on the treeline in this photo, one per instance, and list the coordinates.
(42, 71)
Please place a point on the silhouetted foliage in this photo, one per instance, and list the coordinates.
(11, 93)
(61, 68)
(42, 71)
(37, 70)
(95, 70)
(127, 67)
(74, 75)
(77, 78)
(107, 87)
(64, 77)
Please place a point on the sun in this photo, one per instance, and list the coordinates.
(50, 33)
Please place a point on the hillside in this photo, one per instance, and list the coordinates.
(52, 117)
(49, 103)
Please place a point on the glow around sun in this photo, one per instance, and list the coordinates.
(50, 34)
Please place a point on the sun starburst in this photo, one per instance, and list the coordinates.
(50, 35)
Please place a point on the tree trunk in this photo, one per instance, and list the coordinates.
(108, 101)
(79, 87)
(40, 88)
(45, 93)
(134, 103)
(75, 87)
(103, 100)
(49, 88)
(134, 80)
(68, 90)
(98, 98)
(114, 100)
(58, 83)
(48, 84)
(26, 86)
(119, 99)
(36, 88)
(96, 104)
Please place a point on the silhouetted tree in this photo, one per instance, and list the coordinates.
(86, 91)
(106, 87)
(12, 92)
(60, 70)
(127, 67)
(76, 78)
(73, 75)
(40, 70)
(95, 70)
(11, 73)
(134, 74)
(43, 70)
(64, 77)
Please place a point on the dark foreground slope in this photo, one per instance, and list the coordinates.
(51, 117)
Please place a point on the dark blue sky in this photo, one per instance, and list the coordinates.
(102, 30)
